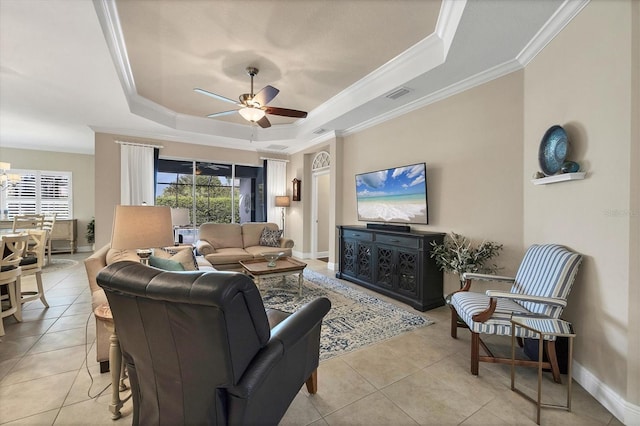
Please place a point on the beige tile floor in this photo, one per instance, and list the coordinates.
(419, 377)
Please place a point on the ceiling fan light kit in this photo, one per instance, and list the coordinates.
(251, 114)
(254, 107)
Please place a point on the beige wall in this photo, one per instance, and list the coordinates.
(472, 146)
(583, 81)
(81, 167)
(107, 182)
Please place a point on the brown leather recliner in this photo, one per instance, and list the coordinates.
(199, 348)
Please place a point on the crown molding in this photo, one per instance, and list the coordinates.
(565, 13)
(110, 23)
(459, 87)
(448, 20)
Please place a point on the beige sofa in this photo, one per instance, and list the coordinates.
(225, 244)
(93, 264)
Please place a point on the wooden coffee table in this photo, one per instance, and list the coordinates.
(258, 269)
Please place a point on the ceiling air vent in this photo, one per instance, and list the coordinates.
(276, 147)
(320, 131)
(398, 93)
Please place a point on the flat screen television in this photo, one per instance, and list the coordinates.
(396, 195)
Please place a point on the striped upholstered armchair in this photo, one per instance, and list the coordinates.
(541, 287)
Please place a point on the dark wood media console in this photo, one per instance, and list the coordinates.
(396, 264)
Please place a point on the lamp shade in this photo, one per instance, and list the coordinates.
(180, 217)
(282, 201)
(141, 227)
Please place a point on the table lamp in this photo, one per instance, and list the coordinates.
(179, 219)
(141, 228)
(283, 201)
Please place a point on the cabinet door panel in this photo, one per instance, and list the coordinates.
(408, 273)
(385, 266)
(349, 257)
(364, 261)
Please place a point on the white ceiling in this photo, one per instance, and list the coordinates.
(72, 67)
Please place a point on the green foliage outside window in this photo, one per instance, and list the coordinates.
(213, 199)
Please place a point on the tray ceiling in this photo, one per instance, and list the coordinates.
(69, 68)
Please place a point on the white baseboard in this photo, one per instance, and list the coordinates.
(307, 255)
(84, 249)
(627, 413)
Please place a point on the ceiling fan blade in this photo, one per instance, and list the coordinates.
(215, 96)
(264, 122)
(285, 112)
(266, 95)
(223, 113)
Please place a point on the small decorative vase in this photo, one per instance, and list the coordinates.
(272, 258)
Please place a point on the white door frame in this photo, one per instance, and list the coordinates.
(314, 212)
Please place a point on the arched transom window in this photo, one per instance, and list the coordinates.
(321, 161)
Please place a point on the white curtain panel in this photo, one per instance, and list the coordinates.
(136, 175)
(276, 185)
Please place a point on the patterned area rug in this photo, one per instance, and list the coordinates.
(356, 319)
(58, 265)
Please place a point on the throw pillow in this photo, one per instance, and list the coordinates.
(186, 256)
(270, 237)
(165, 264)
(114, 256)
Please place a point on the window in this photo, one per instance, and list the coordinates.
(39, 192)
(214, 192)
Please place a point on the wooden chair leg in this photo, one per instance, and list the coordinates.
(475, 353)
(41, 289)
(454, 323)
(14, 296)
(550, 349)
(312, 382)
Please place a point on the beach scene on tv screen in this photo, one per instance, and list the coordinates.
(393, 195)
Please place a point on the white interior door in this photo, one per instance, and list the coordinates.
(320, 214)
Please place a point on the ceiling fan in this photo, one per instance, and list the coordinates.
(254, 107)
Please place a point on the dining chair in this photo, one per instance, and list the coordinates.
(48, 224)
(23, 222)
(12, 247)
(32, 263)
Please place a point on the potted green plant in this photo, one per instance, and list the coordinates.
(458, 255)
(91, 231)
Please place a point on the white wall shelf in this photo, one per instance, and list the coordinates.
(559, 178)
